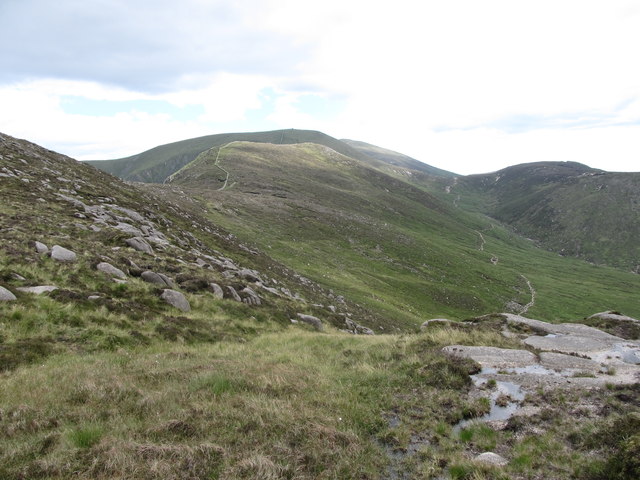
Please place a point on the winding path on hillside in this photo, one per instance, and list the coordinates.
(215, 163)
(482, 240)
(533, 296)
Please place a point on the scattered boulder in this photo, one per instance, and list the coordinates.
(41, 247)
(357, 329)
(217, 290)
(250, 297)
(490, 458)
(233, 294)
(176, 299)
(39, 290)
(315, 322)
(157, 279)
(110, 270)
(139, 244)
(249, 275)
(612, 315)
(62, 254)
(435, 321)
(6, 295)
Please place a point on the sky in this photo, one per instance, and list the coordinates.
(468, 86)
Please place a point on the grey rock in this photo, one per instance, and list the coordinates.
(217, 290)
(93, 297)
(110, 270)
(39, 290)
(41, 247)
(493, 357)
(249, 275)
(357, 329)
(157, 278)
(127, 228)
(61, 254)
(250, 297)
(176, 299)
(490, 458)
(233, 294)
(139, 244)
(435, 321)
(315, 322)
(6, 295)
(611, 315)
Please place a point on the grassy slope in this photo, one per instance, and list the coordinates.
(392, 247)
(388, 159)
(128, 388)
(568, 207)
(157, 164)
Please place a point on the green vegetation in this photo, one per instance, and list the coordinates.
(567, 207)
(101, 379)
(388, 245)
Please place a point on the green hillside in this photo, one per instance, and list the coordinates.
(394, 248)
(389, 159)
(157, 164)
(106, 373)
(566, 206)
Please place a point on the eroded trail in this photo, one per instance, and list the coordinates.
(533, 296)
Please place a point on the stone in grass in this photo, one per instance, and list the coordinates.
(110, 270)
(157, 278)
(176, 299)
(490, 458)
(6, 295)
(39, 290)
(62, 254)
(311, 320)
(41, 247)
(140, 244)
(233, 294)
(217, 290)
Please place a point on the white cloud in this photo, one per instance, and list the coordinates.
(462, 84)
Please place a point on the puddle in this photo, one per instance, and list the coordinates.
(497, 412)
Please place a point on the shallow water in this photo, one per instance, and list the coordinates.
(497, 412)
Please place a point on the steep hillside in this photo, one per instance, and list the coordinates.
(566, 206)
(391, 246)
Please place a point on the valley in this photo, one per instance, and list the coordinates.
(285, 305)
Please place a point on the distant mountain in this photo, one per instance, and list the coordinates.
(157, 164)
(566, 206)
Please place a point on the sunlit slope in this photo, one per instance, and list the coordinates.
(389, 245)
(156, 164)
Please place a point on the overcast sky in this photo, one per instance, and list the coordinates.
(469, 86)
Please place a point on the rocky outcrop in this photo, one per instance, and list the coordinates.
(490, 458)
(250, 297)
